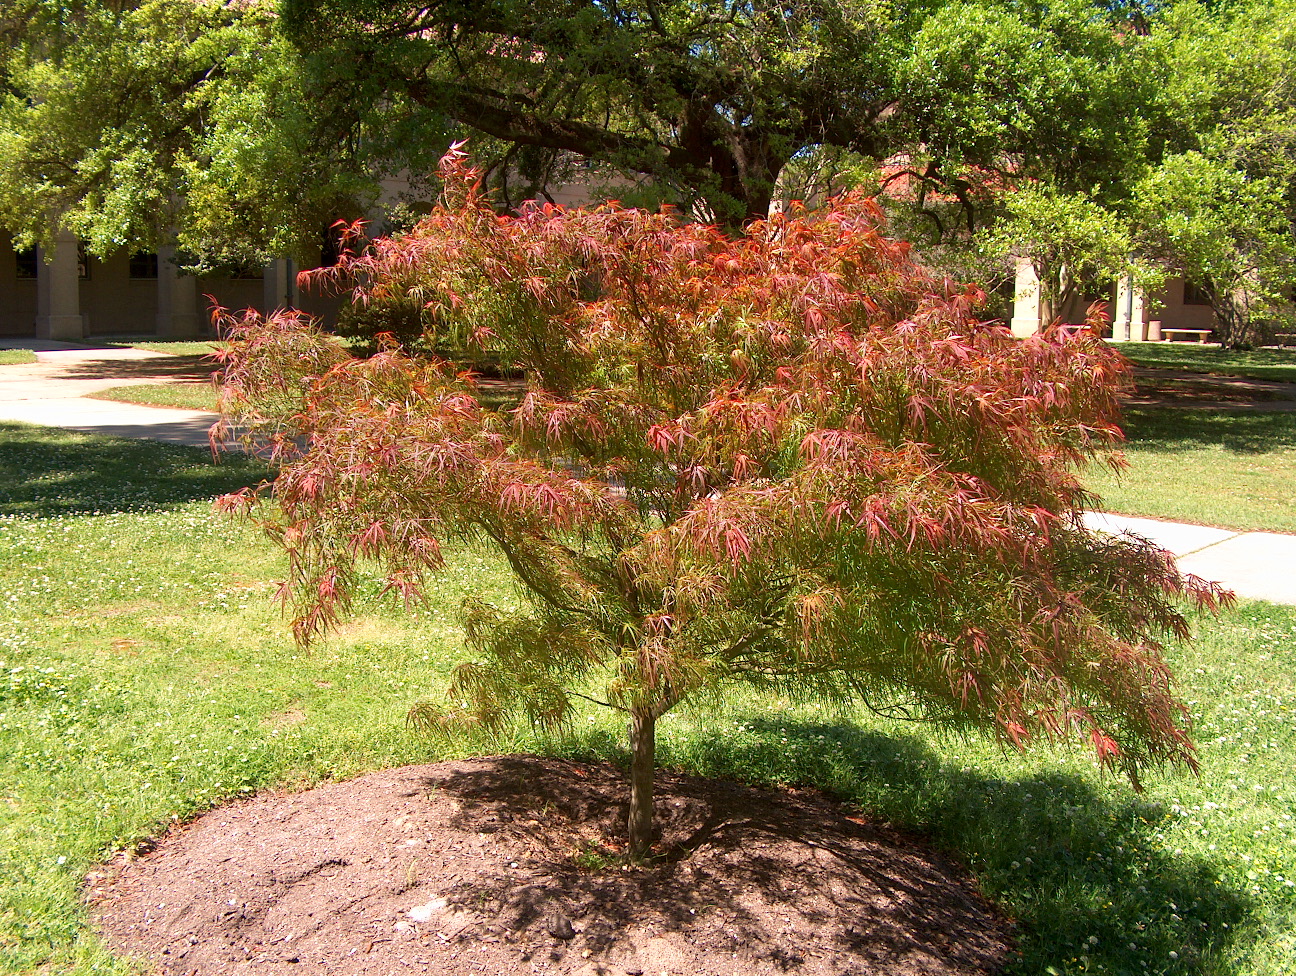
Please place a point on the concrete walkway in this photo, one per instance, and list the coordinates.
(54, 392)
(1254, 565)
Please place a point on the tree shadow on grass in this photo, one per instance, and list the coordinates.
(1276, 365)
(46, 472)
(185, 367)
(1083, 870)
(1238, 431)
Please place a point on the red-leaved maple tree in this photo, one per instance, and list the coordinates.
(793, 459)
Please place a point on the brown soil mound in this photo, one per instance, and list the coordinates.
(503, 865)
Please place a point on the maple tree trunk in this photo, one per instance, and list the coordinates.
(643, 763)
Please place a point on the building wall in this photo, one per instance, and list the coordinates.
(1169, 306)
(1127, 312)
(234, 294)
(17, 295)
(113, 303)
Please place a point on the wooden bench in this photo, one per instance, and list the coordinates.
(1285, 338)
(1168, 334)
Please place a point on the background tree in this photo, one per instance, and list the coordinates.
(1228, 234)
(1003, 95)
(1219, 206)
(241, 133)
(141, 122)
(713, 99)
(792, 460)
(1072, 243)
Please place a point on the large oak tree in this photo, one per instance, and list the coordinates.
(711, 99)
(139, 122)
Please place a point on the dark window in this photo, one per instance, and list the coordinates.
(26, 262)
(143, 265)
(1098, 293)
(1194, 294)
(330, 245)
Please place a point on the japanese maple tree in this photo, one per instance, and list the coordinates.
(792, 459)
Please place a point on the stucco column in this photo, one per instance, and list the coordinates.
(177, 299)
(1130, 321)
(1026, 301)
(280, 285)
(58, 291)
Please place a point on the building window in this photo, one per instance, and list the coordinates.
(25, 260)
(1194, 294)
(28, 262)
(144, 265)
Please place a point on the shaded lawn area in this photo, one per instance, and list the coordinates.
(1258, 364)
(1231, 468)
(172, 347)
(44, 472)
(491, 394)
(145, 676)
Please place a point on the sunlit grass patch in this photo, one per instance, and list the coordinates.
(16, 357)
(1231, 468)
(184, 396)
(146, 675)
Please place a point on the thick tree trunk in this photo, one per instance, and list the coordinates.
(643, 764)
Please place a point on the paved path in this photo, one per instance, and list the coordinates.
(1254, 565)
(53, 392)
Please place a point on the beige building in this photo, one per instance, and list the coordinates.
(66, 294)
(1176, 311)
(69, 295)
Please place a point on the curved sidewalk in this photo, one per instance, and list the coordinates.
(57, 389)
(54, 392)
(1254, 565)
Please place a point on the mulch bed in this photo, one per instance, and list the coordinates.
(505, 865)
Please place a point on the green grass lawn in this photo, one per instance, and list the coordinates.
(1235, 469)
(16, 357)
(187, 396)
(1259, 364)
(145, 676)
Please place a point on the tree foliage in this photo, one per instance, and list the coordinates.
(138, 122)
(1071, 242)
(713, 99)
(793, 460)
(1229, 234)
(90, 125)
(240, 129)
(1220, 205)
